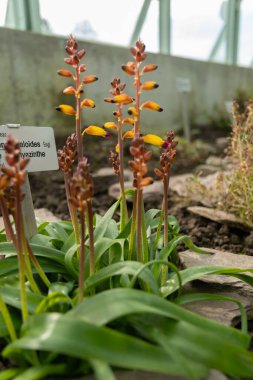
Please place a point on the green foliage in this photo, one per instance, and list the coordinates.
(142, 321)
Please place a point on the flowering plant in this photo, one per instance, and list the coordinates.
(92, 294)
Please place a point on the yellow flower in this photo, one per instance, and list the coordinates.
(149, 85)
(66, 109)
(151, 106)
(128, 120)
(123, 98)
(128, 135)
(87, 103)
(95, 131)
(110, 125)
(153, 139)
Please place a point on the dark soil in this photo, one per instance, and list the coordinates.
(48, 192)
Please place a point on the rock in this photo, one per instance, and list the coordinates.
(41, 214)
(151, 192)
(205, 170)
(222, 311)
(249, 240)
(178, 184)
(214, 161)
(105, 177)
(219, 216)
(215, 257)
(221, 143)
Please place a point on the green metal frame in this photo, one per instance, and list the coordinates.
(229, 34)
(164, 25)
(23, 15)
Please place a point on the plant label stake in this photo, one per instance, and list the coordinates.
(184, 87)
(37, 144)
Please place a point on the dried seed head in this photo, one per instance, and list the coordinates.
(167, 156)
(114, 158)
(81, 186)
(67, 155)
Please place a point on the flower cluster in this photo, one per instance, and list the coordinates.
(168, 155)
(139, 165)
(68, 155)
(81, 186)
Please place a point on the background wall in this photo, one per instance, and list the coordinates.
(31, 89)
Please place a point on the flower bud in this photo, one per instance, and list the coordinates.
(66, 109)
(95, 131)
(149, 85)
(132, 111)
(82, 68)
(81, 53)
(128, 120)
(158, 173)
(69, 61)
(64, 73)
(147, 181)
(110, 125)
(128, 135)
(153, 140)
(69, 90)
(88, 103)
(128, 69)
(90, 79)
(148, 68)
(151, 106)
(123, 99)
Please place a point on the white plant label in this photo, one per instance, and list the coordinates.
(36, 143)
(184, 85)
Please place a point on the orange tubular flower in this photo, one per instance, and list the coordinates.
(153, 140)
(149, 85)
(128, 120)
(123, 99)
(87, 103)
(90, 79)
(151, 106)
(95, 131)
(147, 181)
(69, 90)
(128, 135)
(66, 109)
(110, 125)
(132, 111)
(64, 73)
(129, 68)
(148, 68)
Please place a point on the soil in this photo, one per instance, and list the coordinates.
(48, 192)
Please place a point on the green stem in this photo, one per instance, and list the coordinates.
(91, 237)
(7, 223)
(37, 266)
(133, 227)
(139, 255)
(144, 236)
(82, 257)
(7, 320)
(72, 210)
(166, 227)
(21, 262)
(159, 229)
(123, 213)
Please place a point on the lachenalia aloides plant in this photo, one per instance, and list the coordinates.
(138, 243)
(12, 177)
